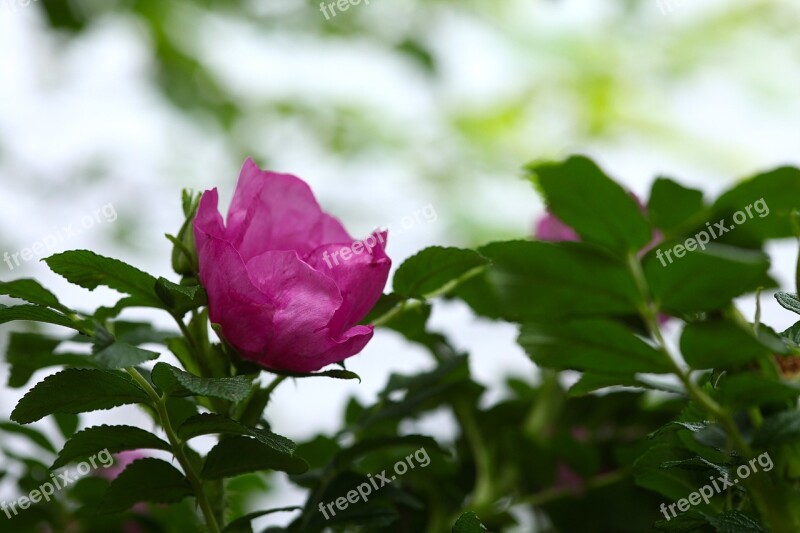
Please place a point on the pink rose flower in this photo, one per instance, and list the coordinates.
(286, 283)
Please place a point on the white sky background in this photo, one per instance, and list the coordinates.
(65, 103)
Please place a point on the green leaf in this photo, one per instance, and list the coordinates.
(32, 292)
(180, 298)
(591, 382)
(347, 457)
(31, 434)
(29, 352)
(335, 374)
(780, 191)
(719, 344)
(110, 353)
(671, 205)
(734, 522)
(788, 301)
(240, 455)
(242, 524)
(727, 522)
(104, 314)
(89, 270)
(469, 523)
(115, 439)
(435, 271)
(146, 480)
(591, 345)
(176, 382)
(671, 482)
(600, 210)
(215, 424)
(77, 391)
(792, 335)
(543, 280)
(745, 390)
(211, 424)
(705, 280)
(36, 313)
(121, 355)
(67, 423)
(780, 428)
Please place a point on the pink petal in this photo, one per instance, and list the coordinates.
(272, 211)
(360, 279)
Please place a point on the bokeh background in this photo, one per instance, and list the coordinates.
(386, 109)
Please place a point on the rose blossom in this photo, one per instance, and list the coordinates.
(269, 287)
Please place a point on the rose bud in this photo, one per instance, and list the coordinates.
(286, 283)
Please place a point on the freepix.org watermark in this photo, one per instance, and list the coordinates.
(57, 482)
(61, 234)
(705, 492)
(339, 5)
(377, 482)
(426, 214)
(720, 228)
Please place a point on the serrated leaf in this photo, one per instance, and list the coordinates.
(792, 335)
(77, 391)
(242, 524)
(31, 434)
(780, 428)
(36, 313)
(240, 455)
(90, 270)
(533, 280)
(176, 382)
(594, 345)
(32, 292)
(435, 271)
(348, 456)
(29, 352)
(146, 480)
(745, 390)
(671, 205)
(122, 355)
(673, 483)
(67, 423)
(216, 424)
(579, 193)
(115, 439)
(719, 344)
(591, 382)
(727, 522)
(788, 301)
(469, 523)
(705, 280)
(180, 298)
(103, 314)
(335, 374)
(780, 190)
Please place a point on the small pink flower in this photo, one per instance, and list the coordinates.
(278, 282)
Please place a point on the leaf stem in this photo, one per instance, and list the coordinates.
(767, 506)
(178, 451)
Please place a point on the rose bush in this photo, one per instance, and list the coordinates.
(276, 299)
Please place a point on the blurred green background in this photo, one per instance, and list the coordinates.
(384, 109)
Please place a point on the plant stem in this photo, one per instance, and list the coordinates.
(178, 451)
(768, 507)
(556, 493)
